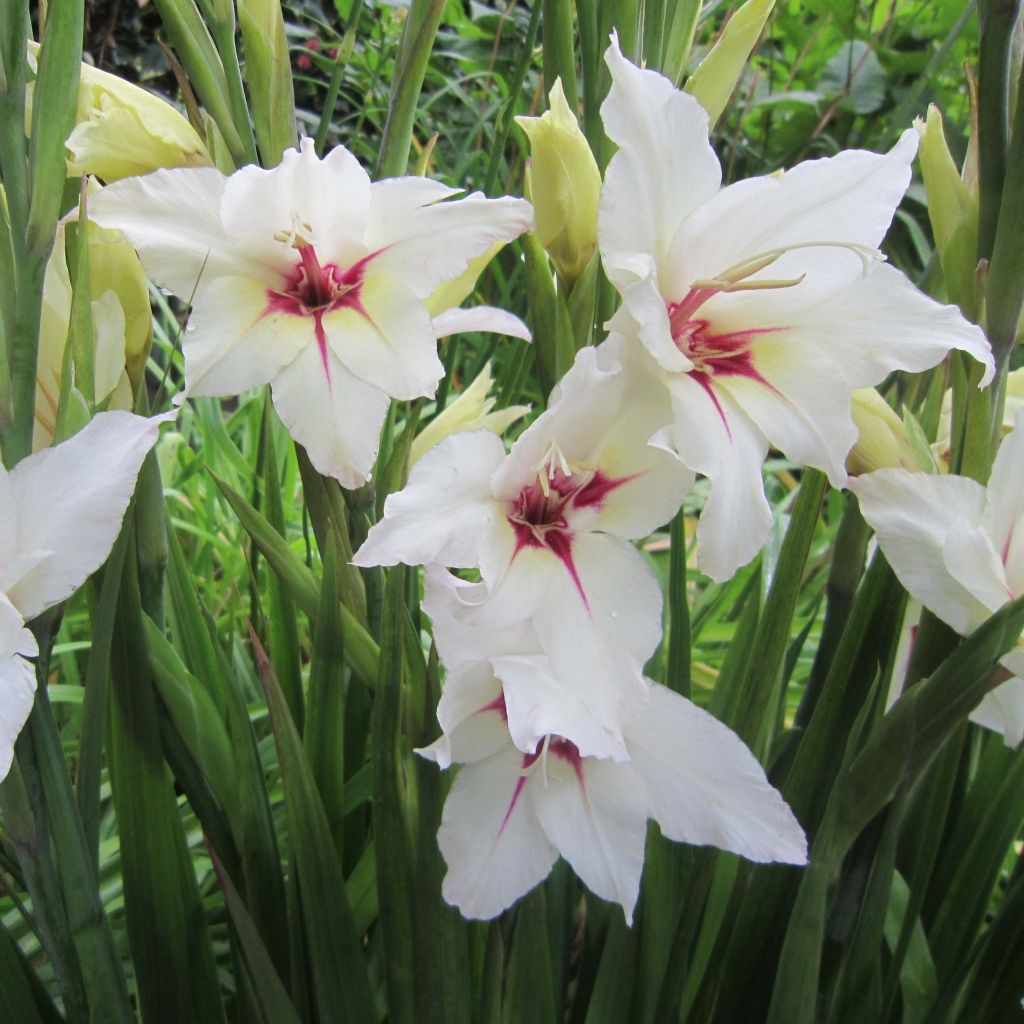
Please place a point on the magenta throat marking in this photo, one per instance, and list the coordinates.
(727, 354)
(313, 290)
(559, 747)
(542, 520)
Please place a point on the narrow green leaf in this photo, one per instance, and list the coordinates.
(16, 1000)
(917, 971)
(361, 652)
(194, 714)
(983, 843)
(267, 987)
(761, 684)
(87, 922)
(324, 736)
(920, 722)
(26, 828)
(610, 1000)
(395, 884)
(89, 774)
(170, 945)
(281, 620)
(440, 933)
(334, 956)
(529, 997)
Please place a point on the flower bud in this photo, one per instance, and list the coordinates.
(953, 212)
(715, 78)
(884, 441)
(470, 411)
(122, 327)
(564, 185)
(122, 130)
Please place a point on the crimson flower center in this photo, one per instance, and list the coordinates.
(312, 288)
(537, 512)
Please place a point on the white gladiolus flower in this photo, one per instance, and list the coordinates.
(60, 513)
(959, 549)
(510, 813)
(758, 307)
(549, 526)
(313, 279)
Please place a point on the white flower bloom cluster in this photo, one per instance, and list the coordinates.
(749, 314)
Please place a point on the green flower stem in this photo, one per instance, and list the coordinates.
(559, 51)
(223, 32)
(411, 65)
(677, 674)
(997, 18)
(1005, 285)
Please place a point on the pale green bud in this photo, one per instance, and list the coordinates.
(472, 410)
(883, 440)
(122, 130)
(121, 325)
(564, 185)
(715, 78)
(953, 212)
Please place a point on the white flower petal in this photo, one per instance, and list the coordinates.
(441, 513)
(333, 414)
(17, 680)
(234, 341)
(482, 319)
(326, 201)
(599, 647)
(597, 819)
(665, 166)
(452, 605)
(471, 716)
(1002, 711)
(971, 560)
(847, 199)
(715, 437)
(704, 786)
(539, 703)
(879, 323)
(70, 501)
(490, 838)
(1004, 506)
(427, 241)
(911, 514)
(799, 401)
(388, 340)
(172, 217)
